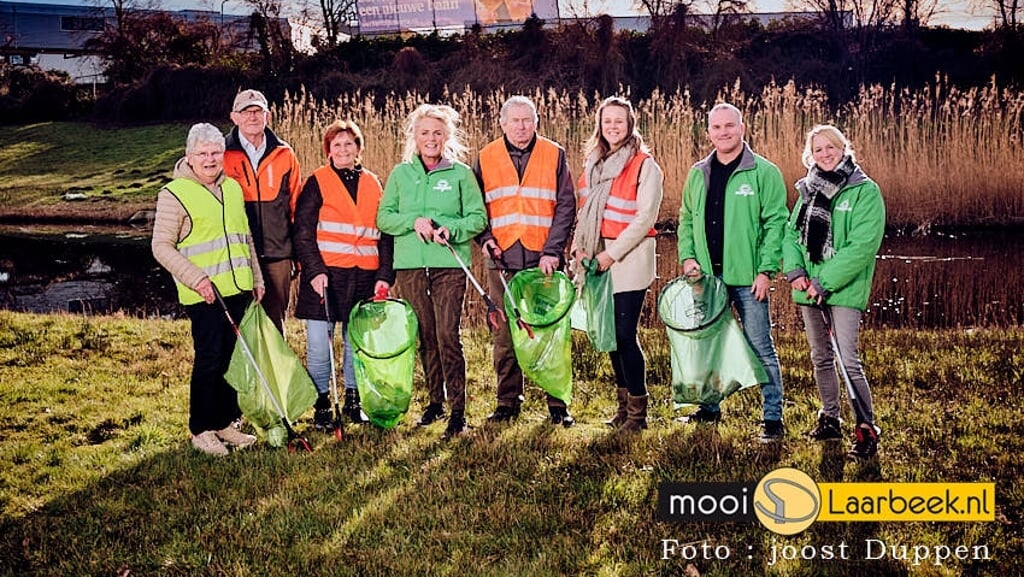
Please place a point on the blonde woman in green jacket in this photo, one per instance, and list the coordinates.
(833, 235)
(431, 198)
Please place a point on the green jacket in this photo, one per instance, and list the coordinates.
(755, 218)
(449, 194)
(858, 225)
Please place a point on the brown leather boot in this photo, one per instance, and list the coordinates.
(636, 414)
(622, 393)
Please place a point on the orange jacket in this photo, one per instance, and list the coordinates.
(523, 210)
(621, 207)
(346, 232)
(270, 191)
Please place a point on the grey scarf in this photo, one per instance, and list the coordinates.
(814, 221)
(601, 172)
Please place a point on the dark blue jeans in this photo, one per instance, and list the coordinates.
(757, 327)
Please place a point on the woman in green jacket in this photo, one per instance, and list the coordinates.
(430, 199)
(833, 235)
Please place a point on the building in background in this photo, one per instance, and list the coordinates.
(54, 36)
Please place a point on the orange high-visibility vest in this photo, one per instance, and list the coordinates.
(621, 207)
(347, 232)
(523, 210)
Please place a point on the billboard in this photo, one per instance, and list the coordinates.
(377, 16)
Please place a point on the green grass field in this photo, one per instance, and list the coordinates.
(110, 171)
(97, 476)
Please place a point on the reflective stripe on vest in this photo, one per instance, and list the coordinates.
(347, 233)
(218, 242)
(523, 210)
(621, 208)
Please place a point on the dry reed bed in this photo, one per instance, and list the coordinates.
(942, 155)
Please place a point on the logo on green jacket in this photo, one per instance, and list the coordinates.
(745, 190)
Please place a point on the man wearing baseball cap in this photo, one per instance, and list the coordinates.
(268, 171)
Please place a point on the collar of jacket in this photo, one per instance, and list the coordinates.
(511, 148)
(747, 160)
(417, 162)
(232, 142)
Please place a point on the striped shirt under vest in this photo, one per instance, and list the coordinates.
(218, 242)
(621, 207)
(520, 210)
(347, 232)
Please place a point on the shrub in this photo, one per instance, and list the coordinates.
(29, 94)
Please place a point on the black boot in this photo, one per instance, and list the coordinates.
(323, 420)
(456, 425)
(561, 416)
(352, 410)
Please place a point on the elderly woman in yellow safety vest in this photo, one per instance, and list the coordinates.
(201, 236)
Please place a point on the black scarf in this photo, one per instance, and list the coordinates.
(814, 220)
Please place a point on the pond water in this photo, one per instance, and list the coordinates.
(940, 280)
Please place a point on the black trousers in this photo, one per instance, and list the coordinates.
(213, 404)
(628, 359)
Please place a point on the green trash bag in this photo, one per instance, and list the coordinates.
(286, 377)
(544, 303)
(711, 358)
(594, 311)
(383, 335)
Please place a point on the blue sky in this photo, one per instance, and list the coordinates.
(954, 13)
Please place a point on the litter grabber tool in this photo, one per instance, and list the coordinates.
(294, 439)
(339, 431)
(502, 269)
(858, 410)
(495, 316)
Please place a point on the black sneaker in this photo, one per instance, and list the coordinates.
(702, 416)
(773, 432)
(433, 412)
(561, 416)
(827, 429)
(456, 425)
(503, 414)
(323, 420)
(866, 444)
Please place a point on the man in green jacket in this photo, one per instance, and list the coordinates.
(731, 225)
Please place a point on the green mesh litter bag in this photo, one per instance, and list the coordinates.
(383, 335)
(711, 358)
(288, 380)
(544, 303)
(594, 311)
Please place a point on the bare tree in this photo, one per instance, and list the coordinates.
(724, 9)
(273, 34)
(336, 15)
(873, 13)
(1008, 13)
(661, 9)
(916, 13)
(866, 13)
(833, 12)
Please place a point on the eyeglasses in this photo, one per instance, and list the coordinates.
(251, 112)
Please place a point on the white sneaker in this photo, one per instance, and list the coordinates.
(233, 436)
(208, 443)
